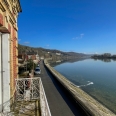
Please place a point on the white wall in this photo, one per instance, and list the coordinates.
(6, 69)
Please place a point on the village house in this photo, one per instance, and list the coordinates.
(22, 56)
(31, 55)
(58, 54)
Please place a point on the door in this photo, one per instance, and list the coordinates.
(5, 55)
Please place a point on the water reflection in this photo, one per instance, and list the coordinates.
(105, 59)
(54, 62)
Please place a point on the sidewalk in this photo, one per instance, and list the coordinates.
(59, 102)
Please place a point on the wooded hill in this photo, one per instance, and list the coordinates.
(48, 53)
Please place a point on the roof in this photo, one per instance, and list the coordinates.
(31, 53)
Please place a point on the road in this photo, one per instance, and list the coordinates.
(59, 101)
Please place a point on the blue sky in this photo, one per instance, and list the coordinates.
(86, 26)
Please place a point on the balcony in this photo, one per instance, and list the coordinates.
(29, 99)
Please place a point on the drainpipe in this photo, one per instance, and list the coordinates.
(1, 71)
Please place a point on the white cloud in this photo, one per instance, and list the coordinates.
(75, 38)
(26, 42)
(47, 45)
(81, 35)
(19, 39)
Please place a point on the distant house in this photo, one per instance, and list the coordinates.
(42, 57)
(22, 56)
(37, 57)
(31, 55)
(58, 54)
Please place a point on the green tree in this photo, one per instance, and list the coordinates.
(30, 65)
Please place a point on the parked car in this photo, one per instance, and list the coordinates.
(37, 67)
(37, 71)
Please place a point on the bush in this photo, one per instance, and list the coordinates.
(30, 65)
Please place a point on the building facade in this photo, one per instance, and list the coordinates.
(9, 10)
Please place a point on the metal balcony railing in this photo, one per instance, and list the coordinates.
(29, 99)
(27, 89)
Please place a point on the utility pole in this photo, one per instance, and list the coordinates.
(26, 64)
(33, 68)
(33, 64)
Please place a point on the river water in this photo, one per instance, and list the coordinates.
(96, 77)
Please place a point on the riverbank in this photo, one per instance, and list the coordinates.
(88, 104)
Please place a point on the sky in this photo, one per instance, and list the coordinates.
(84, 26)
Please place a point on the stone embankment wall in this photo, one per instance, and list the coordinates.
(87, 103)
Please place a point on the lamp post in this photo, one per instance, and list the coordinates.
(1, 72)
(26, 63)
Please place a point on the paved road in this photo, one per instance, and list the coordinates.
(59, 101)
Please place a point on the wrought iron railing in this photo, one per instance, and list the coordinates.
(27, 89)
(29, 94)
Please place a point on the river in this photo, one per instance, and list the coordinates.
(96, 77)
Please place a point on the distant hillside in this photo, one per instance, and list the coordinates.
(48, 52)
